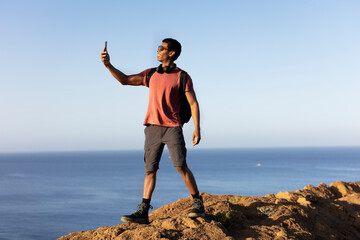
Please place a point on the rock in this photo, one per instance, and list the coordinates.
(322, 212)
(343, 189)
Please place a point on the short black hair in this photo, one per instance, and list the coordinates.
(173, 45)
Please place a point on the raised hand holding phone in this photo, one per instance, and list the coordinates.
(105, 56)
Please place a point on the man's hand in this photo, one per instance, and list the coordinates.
(196, 137)
(105, 58)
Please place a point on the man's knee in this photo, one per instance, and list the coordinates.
(151, 173)
(182, 169)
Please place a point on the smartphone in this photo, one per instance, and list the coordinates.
(106, 45)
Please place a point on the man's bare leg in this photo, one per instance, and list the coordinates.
(189, 179)
(149, 184)
(141, 215)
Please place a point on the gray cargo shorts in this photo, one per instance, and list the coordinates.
(155, 139)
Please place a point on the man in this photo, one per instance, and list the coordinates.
(163, 124)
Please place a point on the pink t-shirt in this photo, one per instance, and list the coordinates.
(164, 99)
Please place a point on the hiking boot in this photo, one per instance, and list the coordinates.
(198, 209)
(139, 216)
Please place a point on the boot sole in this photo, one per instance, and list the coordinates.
(196, 215)
(130, 220)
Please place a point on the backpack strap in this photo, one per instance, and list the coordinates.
(185, 110)
(151, 72)
(183, 81)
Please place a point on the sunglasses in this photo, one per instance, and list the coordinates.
(161, 48)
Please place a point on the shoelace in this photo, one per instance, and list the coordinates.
(141, 208)
(198, 203)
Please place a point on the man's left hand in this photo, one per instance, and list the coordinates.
(196, 137)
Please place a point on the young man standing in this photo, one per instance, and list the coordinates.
(163, 124)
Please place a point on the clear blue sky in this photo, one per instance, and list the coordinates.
(266, 73)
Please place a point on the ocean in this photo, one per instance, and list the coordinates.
(46, 195)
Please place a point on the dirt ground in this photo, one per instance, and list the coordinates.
(322, 213)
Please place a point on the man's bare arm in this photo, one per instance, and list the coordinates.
(195, 114)
(124, 79)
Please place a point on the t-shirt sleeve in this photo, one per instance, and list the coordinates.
(189, 84)
(144, 75)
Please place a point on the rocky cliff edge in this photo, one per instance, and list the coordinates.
(322, 213)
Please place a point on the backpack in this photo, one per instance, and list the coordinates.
(185, 110)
